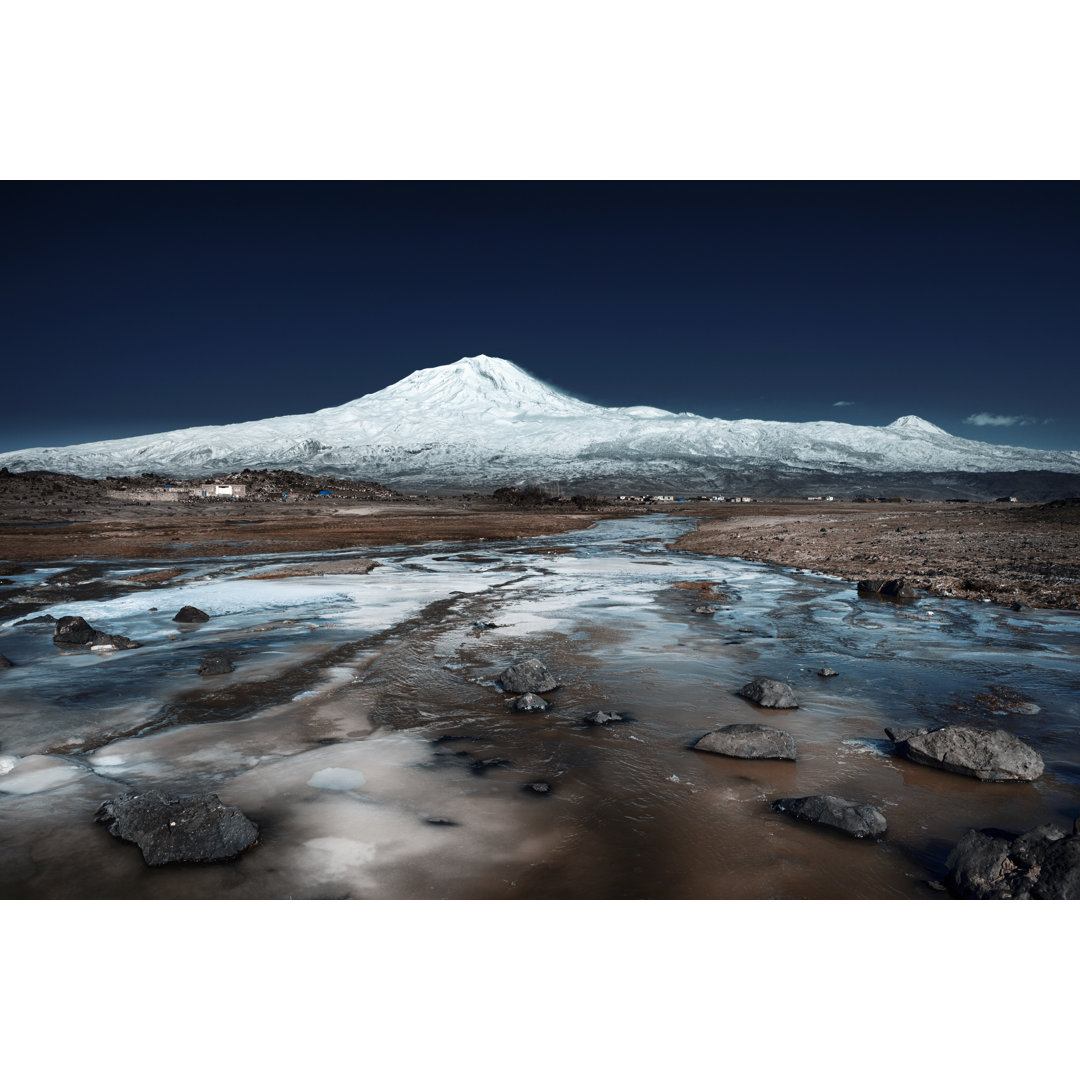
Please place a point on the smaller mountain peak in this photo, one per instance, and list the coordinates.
(913, 425)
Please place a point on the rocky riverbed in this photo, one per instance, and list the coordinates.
(363, 721)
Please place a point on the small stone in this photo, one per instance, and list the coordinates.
(600, 717)
(217, 664)
(854, 818)
(528, 677)
(529, 703)
(769, 694)
(748, 741)
(827, 673)
(537, 787)
(893, 588)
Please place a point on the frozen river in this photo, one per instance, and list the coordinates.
(362, 731)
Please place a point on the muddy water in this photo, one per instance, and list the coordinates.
(363, 732)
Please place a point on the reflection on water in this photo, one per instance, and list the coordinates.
(363, 731)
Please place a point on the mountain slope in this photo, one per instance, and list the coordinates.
(485, 422)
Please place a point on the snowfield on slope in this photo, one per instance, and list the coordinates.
(486, 421)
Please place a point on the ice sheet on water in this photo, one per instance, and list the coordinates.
(336, 779)
(39, 772)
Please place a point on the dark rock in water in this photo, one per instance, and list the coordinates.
(600, 717)
(528, 677)
(190, 614)
(43, 619)
(73, 631)
(438, 821)
(1019, 605)
(217, 664)
(748, 741)
(529, 703)
(705, 609)
(895, 588)
(481, 625)
(853, 818)
(537, 787)
(770, 694)
(185, 829)
(827, 673)
(1043, 864)
(988, 755)
(5, 663)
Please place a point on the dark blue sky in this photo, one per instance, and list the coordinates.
(138, 307)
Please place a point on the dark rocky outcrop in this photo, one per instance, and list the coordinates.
(854, 818)
(894, 588)
(600, 718)
(970, 751)
(528, 677)
(190, 614)
(1043, 864)
(44, 620)
(769, 694)
(748, 741)
(5, 663)
(216, 664)
(184, 829)
(529, 703)
(74, 632)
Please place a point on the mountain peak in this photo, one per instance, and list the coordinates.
(915, 425)
(481, 384)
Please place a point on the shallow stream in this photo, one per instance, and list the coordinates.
(363, 731)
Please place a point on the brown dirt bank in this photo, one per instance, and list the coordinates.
(107, 529)
(1007, 553)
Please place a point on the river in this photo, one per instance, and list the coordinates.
(363, 731)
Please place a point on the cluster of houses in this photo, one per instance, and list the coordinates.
(179, 492)
(683, 498)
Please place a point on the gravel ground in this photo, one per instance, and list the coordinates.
(1007, 553)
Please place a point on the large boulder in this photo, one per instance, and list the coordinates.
(184, 829)
(854, 818)
(748, 741)
(893, 588)
(988, 755)
(74, 632)
(1043, 864)
(769, 694)
(528, 677)
(188, 614)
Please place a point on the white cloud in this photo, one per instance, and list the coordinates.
(985, 419)
(840, 404)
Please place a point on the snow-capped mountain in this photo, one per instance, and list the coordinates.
(484, 422)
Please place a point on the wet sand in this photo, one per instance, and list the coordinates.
(107, 529)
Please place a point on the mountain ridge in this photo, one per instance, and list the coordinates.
(485, 421)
